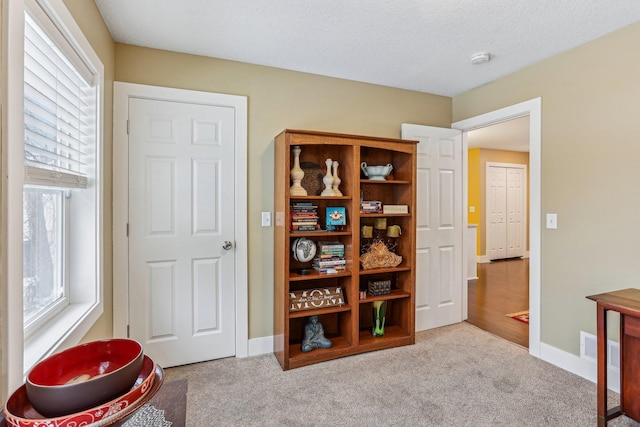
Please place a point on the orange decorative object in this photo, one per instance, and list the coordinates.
(379, 256)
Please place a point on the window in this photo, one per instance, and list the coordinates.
(62, 227)
(43, 283)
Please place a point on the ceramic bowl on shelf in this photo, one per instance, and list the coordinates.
(378, 172)
(19, 411)
(84, 376)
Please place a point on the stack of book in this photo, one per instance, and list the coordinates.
(329, 256)
(304, 217)
(370, 207)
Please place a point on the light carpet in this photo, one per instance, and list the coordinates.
(457, 375)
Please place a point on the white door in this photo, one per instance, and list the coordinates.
(506, 210)
(516, 202)
(496, 196)
(440, 229)
(181, 214)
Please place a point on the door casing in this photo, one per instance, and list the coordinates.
(121, 94)
(532, 108)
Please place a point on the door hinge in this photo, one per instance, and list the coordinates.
(127, 229)
(127, 127)
(128, 336)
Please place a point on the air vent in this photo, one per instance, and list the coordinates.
(588, 346)
(589, 350)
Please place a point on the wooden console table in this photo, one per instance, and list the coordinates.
(627, 303)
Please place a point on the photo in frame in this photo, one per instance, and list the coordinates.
(336, 218)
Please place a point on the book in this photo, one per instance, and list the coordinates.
(327, 245)
(305, 227)
(304, 217)
(395, 209)
(301, 221)
(373, 206)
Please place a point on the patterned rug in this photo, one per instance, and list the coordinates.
(167, 408)
(522, 316)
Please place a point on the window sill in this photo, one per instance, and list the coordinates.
(66, 330)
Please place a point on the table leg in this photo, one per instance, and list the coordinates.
(602, 365)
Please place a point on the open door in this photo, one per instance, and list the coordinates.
(440, 266)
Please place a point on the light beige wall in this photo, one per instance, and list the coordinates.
(88, 18)
(590, 173)
(3, 368)
(497, 156)
(280, 99)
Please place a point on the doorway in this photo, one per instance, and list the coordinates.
(498, 298)
(532, 109)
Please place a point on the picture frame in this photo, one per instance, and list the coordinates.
(335, 218)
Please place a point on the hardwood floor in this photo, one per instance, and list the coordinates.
(502, 287)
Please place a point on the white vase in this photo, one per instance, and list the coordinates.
(297, 174)
(328, 180)
(336, 179)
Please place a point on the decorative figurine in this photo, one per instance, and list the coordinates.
(379, 256)
(336, 179)
(297, 174)
(328, 180)
(314, 336)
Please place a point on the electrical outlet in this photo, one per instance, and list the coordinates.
(266, 219)
(552, 221)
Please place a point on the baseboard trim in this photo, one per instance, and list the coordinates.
(585, 368)
(483, 259)
(262, 345)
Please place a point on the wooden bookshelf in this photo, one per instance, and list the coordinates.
(347, 326)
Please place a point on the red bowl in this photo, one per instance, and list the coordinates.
(19, 411)
(84, 376)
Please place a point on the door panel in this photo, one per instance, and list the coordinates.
(439, 232)
(181, 280)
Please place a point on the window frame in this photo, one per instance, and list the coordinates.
(69, 327)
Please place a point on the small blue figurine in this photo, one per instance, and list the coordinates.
(314, 336)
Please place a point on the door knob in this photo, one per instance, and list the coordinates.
(227, 245)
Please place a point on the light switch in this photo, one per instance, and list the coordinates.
(266, 219)
(472, 209)
(552, 221)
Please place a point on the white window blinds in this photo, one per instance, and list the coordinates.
(59, 112)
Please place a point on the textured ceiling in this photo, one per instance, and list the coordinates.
(421, 45)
